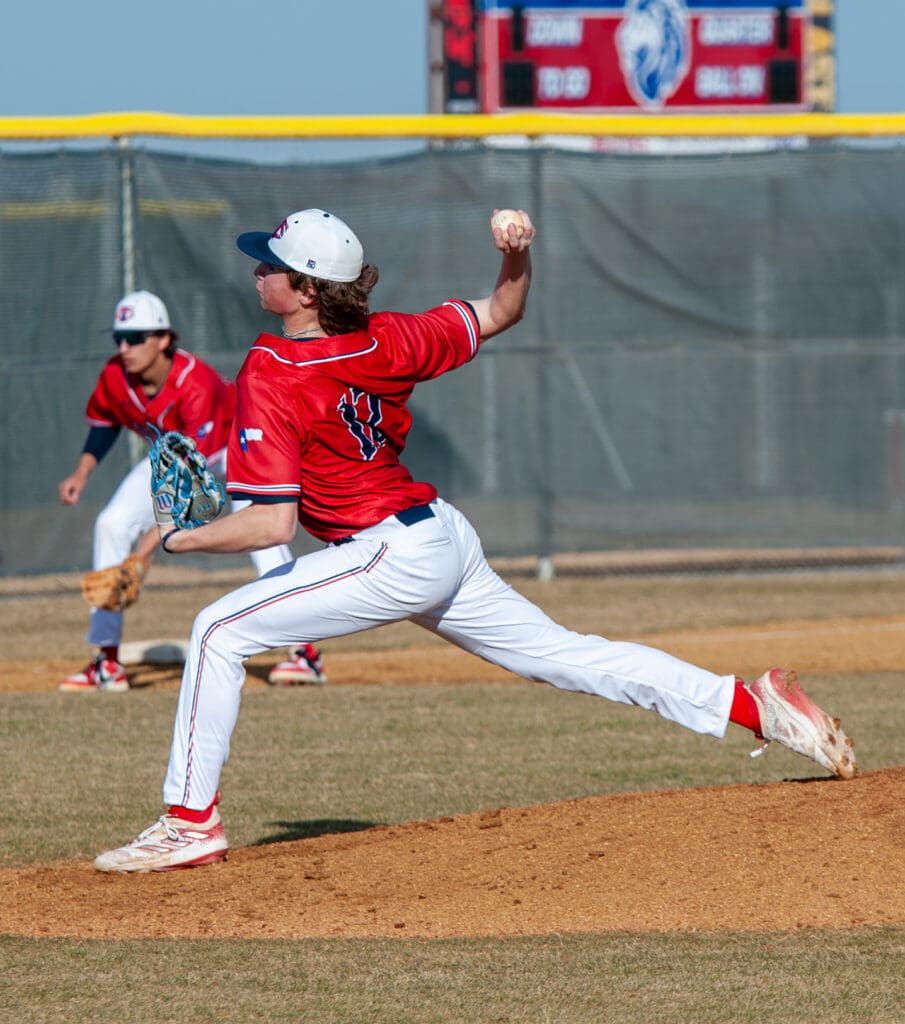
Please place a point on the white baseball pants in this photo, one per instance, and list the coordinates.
(434, 573)
(129, 514)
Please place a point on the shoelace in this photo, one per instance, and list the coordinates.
(760, 749)
(171, 831)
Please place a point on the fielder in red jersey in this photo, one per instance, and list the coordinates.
(150, 385)
(320, 425)
(193, 399)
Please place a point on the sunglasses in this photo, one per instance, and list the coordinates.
(130, 337)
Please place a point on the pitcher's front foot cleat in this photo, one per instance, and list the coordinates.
(790, 717)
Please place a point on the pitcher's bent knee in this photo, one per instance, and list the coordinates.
(215, 635)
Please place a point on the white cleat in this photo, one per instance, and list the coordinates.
(170, 843)
(791, 718)
(100, 675)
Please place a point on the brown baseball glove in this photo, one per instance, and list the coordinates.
(117, 587)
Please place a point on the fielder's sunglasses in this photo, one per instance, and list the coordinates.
(131, 337)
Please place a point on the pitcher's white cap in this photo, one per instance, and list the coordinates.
(314, 242)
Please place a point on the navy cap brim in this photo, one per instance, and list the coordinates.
(256, 244)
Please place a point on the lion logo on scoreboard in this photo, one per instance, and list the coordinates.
(654, 44)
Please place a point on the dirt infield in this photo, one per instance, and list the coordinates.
(813, 853)
(752, 857)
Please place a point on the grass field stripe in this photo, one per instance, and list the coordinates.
(784, 633)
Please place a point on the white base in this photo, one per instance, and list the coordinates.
(153, 652)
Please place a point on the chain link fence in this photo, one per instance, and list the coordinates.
(713, 355)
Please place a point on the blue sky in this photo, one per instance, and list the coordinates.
(304, 57)
(869, 36)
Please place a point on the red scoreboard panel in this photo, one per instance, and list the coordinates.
(627, 55)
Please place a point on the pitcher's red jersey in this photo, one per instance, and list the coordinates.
(324, 421)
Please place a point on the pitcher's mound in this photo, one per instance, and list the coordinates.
(809, 854)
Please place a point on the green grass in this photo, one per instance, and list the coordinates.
(83, 774)
(831, 978)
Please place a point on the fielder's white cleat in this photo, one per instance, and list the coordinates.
(170, 843)
(790, 717)
(101, 674)
(304, 667)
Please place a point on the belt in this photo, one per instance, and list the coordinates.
(415, 514)
(408, 517)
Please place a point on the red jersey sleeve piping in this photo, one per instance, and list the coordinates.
(259, 499)
(264, 492)
(465, 310)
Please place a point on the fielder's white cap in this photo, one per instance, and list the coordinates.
(311, 241)
(141, 311)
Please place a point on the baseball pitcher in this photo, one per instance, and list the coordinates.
(321, 423)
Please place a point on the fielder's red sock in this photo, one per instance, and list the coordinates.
(744, 709)
(111, 653)
(196, 817)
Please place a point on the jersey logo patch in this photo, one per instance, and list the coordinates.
(247, 434)
(362, 414)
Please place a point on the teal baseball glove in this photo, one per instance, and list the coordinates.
(184, 491)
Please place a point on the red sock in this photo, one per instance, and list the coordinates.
(111, 653)
(196, 817)
(744, 709)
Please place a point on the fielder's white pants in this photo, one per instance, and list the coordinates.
(435, 574)
(129, 514)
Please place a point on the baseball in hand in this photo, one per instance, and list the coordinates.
(503, 218)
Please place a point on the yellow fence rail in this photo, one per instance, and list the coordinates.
(450, 126)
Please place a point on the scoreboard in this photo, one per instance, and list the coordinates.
(626, 56)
